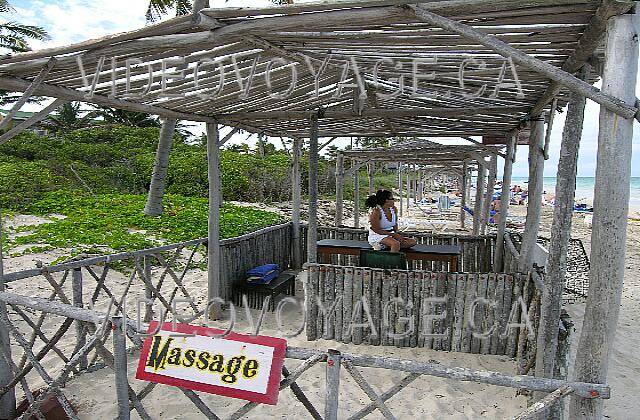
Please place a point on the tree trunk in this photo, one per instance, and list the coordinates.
(160, 166)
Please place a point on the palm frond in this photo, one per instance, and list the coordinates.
(158, 8)
(5, 7)
(29, 31)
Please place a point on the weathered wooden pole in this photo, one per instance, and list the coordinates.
(356, 195)
(120, 367)
(8, 400)
(333, 384)
(371, 169)
(400, 188)
(408, 187)
(296, 197)
(611, 205)
(560, 235)
(214, 280)
(488, 198)
(312, 234)
(505, 198)
(419, 185)
(153, 207)
(339, 187)
(463, 188)
(534, 203)
(477, 208)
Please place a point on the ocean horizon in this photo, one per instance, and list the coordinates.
(585, 187)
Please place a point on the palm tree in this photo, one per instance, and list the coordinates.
(158, 8)
(130, 118)
(69, 117)
(15, 36)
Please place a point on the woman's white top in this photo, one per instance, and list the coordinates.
(386, 224)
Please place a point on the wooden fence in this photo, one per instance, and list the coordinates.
(108, 344)
(239, 254)
(476, 252)
(463, 312)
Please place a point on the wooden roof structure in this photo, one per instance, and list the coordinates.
(352, 63)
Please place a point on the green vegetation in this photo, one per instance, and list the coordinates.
(116, 221)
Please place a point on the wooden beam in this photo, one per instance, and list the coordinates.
(296, 198)
(228, 136)
(488, 198)
(356, 195)
(534, 198)
(41, 115)
(15, 84)
(28, 92)
(569, 81)
(611, 206)
(215, 288)
(505, 198)
(547, 138)
(478, 206)
(590, 40)
(326, 143)
(491, 150)
(375, 112)
(554, 279)
(339, 188)
(312, 234)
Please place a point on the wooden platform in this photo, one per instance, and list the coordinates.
(448, 253)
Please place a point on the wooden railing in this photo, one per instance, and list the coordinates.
(476, 251)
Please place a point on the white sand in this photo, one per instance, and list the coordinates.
(427, 397)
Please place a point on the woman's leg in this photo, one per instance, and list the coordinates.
(407, 242)
(391, 243)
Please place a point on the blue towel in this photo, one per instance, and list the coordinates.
(263, 274)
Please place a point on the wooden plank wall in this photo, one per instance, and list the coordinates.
(463, 312)
(266, 246)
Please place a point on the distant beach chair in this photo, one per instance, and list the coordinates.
(444, 203)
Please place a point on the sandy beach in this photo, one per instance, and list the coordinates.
(427, 397)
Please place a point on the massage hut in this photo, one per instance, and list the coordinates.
(452, 68)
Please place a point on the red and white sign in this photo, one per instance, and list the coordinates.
(237, 366)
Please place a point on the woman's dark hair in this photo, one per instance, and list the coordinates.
(378, 198)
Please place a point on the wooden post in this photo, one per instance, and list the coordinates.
(408, 187)
(611, 204)
(153, 206)
(339, 187)
(400, 188)
(333, 384)
(477, 208)
(371, 169)
(8, 400)
(296, 197)
(215, 286)
(505, 197)
(488, 198)
(534, 203)
(463, 198)
(312, 234)
(419, 185)
(120, 367)
(76, 285)
(356, 195)
(148, 292)
(550, 309)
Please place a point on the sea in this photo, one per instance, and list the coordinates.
(585, 186)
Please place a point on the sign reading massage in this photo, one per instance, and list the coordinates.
(237, 365)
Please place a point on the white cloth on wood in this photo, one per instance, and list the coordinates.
(375, 239)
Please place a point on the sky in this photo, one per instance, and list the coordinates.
(70, 21)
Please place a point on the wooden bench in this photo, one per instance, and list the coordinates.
(447, 253)
(256, 293)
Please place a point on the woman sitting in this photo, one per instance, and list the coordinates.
(384, 224)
